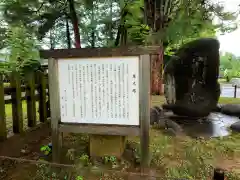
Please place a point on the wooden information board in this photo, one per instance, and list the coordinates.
(99, 91)
(102, 91)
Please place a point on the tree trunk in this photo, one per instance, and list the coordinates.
(118, 36)
(93, 26)
(74, 20)
(68, 34)
(52, 40)
(111, 29)
(121, 38)
(152, 15)
(156, 73)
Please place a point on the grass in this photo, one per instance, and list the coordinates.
(158, 100)
(222, 80)
(226, 100)
(8, 113)
(185, 157)
(182, 156)
(6, 84)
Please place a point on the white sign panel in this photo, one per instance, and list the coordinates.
(99, 90)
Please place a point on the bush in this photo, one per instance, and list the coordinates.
(24, 55)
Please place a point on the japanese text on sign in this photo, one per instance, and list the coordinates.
(99, 90)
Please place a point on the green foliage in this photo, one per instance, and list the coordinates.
(138, 31)
(48, 21)
(40, 17)
(46, 150)
(23, 56)
(181, 22)
(110, 159)
(79, 178)
(44, 172)
(230, 66)
(84, 159)
(3, 34)
(191, 19)
(105, 23)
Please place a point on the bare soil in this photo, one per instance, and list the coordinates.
(25, 146)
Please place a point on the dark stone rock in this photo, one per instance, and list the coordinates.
(195, 69)
(155, 114)
(231, 109)
(170, 124)
(235, 127)
(159, 109)
(172, 128)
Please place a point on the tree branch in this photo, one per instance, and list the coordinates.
(37, 11)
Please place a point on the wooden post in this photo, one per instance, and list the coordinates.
(218, 174)
(144, 97)
(31, 100)
(3, 128)
(16, 96)
(55, 109)
(42, 97)
(235, 91)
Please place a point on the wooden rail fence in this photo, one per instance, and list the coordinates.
(35, 86)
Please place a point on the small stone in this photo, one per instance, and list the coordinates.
(1, 170)
(173, 125)
(231, 109)
(114, 166)
(154, 115)
(159, 109)
(235, 127)
(24, 151)
(170, 132)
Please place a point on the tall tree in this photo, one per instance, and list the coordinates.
(68, 34)
(109, 22)
(23, 50)
(74, 19)
(42, 15)
(162, 16)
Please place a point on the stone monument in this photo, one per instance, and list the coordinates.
(191, 79)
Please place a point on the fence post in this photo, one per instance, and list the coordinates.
(16, 96)
(235, 91)
(42, 97)
(3, 128)
(31, 100)
(218, 174)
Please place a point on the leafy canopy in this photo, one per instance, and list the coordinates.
(113, 22)
(23, 52)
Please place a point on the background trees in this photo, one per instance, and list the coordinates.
(109, 23)
(229, 66)
(112, 22)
